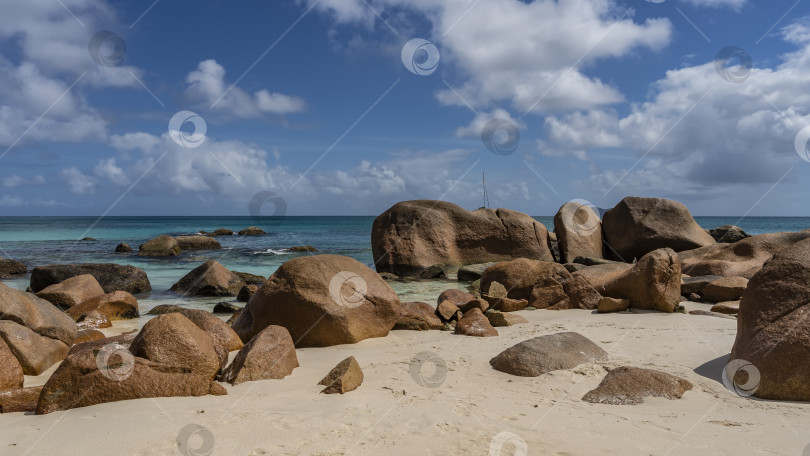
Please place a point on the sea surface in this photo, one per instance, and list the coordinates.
(49, 240)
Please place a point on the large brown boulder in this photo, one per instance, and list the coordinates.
(174, 340)
(543, 354)
(773, 329)
(34, 352)
(224, 338)
(20, 399)
(630, 385)
(322, 300)
(11, 268)
(521, 275)
(111, 277)
(209, 279)
(414, 235)
(743, 258)
(579, 232)
(725, 289)
(118, 305)
(11, 373)
(161, 246)
(269, 355)
(653, 283)
(82, 380)
(72, 291)
(637, 226)
(418, 316)
(197, 243)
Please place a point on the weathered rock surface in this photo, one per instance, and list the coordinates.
(209, 279)
(72, 291)
(773, 328)
(118, 305)
(579, 232)
(630, 385)
(499, 319)
(637, 226)
(20, 399)
(696, 284)
(607, 304)
(161, 246)
(79, 382)
(521, 275)
(123, 248)
(727, 307)
(743, 258)
(346, 376)
(34, 352)
(728, 234)
(413, 235)
(226, 308)
(322, 300)
(219, 332)
(475, 323)
(36, 314)
(197, 243)
(222, 232)
(473, 272)
(269, 355)
(93, 320)
(246, 292)
(11, 373)
(89, 335)
(653, 283)
(251, 231)
(111, 277)
(418, 316)
(725, 289)
(162, 309)
(174, 340)
(543, 354)
(11, 268)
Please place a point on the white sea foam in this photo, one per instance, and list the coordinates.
(273, 252)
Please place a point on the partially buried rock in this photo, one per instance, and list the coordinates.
(209, 279)
(89, 335)
(72, 291)
(20, 399)
(123, 248)
(246, 292)
(94, 320)
(82, 380)
(197, 243)
(226, 308)
(11, 268)
(630, 385)
(543, 354)
(111, 277)
(727, 308)
(174, 340)
(251, 231)
(418, 316)
(322, 300)
(498, 319)
(11, 373)
(653, 283)
(344, 377)
(269, 355)
(725, 289)
(160, 246)
(448, 311)
(118, 305)
(474, 323)
(607, 305)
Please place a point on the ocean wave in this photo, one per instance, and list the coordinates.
(273, 252)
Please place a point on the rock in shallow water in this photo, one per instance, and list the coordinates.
(160, 246)
(209, 279)
(111, 277)
(72, 291)
(11, 268)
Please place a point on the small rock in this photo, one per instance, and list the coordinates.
(389, 276)
(222, 232)
(251, 231)
(197, 243)
(447, 311)
(543, 354)
(728, 234)
(20, 399)
(473, 272)
(160, 246)
(226, 308)
(303, 248)
(418, 316)
(246, 292)
(727, 307)
(209, 279)
(725, 289)
(432, 272)
(118, 305)
(498, 319)
(94, 320)
(123, 248)
(88, 239)
(344, 377)
(607, 304)
(269, 355)
(162, 309)
(251, 279)
(88, 335)
(630, 385)
(474, 323)
(11, 268)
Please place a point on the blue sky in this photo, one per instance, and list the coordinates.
(311, 100)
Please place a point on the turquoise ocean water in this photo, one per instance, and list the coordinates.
(47, 240)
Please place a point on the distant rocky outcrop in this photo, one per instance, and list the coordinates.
(197, 243)
(728, 234)
(123, 248)
(414, 235)
(637, 226)
(11, 268)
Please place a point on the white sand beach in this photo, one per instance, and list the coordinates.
(392, 414)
